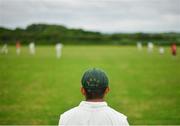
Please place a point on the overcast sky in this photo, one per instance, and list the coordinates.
(96, 15)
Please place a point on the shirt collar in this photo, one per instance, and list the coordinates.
(93, 104)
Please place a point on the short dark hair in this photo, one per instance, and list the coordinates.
(97, 93)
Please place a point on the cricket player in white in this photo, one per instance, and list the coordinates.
(32, 48)
(94, 111)
(161, 50)
(150, 47)
(4, 49)
(139, 46)
(58, 50)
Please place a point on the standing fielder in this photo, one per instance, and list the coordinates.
(161, 50)
(139, 46)
(150, 47)
(18, 48)
(32, 48)
(173, 49)
(4, 49)
(58, 50)
(94, 111)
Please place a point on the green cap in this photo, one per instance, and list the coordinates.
(94, 78)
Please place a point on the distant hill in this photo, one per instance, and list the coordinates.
(51, 34)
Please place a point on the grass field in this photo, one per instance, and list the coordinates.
(37, 89)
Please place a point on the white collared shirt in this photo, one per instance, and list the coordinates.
(93, 114)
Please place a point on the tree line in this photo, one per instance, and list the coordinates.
(51, 34)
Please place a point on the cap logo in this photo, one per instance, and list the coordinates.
(94, 78)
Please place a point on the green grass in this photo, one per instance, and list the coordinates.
(37, 89)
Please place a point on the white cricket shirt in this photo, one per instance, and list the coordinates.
(93, 114)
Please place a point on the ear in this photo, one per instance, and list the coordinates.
(83, 91)
(107, 90)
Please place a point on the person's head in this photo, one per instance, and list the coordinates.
(95, 84)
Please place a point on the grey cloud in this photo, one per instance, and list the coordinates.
(100, 15)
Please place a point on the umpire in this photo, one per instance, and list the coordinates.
(94, 111)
